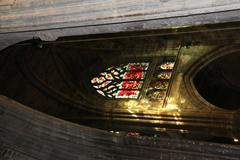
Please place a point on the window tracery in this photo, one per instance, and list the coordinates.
(160, 81)
(126, 81)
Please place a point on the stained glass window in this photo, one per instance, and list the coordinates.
(159, 84)
(160, 81)
(167, 65)
(156, 94)
(164, 75)
(124, 81)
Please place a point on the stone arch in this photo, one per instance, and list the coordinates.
(198, 66)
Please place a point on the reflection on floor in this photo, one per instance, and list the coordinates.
(134, 84)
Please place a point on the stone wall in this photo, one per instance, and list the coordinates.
(50, 19)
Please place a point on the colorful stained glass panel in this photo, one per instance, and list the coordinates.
(134, 75)
(124, 81)
(136, 66)
(156, 94)
(165, 75)
(128, 94)
(130, 85)
(167, 65)
(159, 84)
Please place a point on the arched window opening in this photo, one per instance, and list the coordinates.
(218, 82)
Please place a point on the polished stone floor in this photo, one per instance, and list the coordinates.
(55, 78)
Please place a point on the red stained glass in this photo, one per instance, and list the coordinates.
(134, 67)
(124, 81)
(131, 85)
(137, 66)
(127, 94)
(134, 75)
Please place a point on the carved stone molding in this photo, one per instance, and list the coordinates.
(197, 66)
(52, 19)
